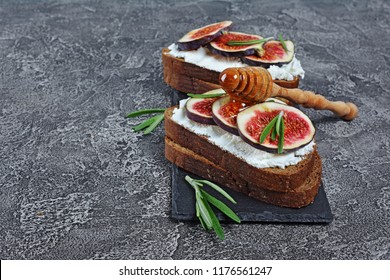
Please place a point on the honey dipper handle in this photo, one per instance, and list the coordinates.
(347, 111)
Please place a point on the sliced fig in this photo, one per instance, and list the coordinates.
(220, 46)
(272, 53)
(298, 128)
(201, 36)
(199, 109)
(225, 111)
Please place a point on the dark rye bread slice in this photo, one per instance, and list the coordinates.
(201, 166)
(188, 77)
(275, 179)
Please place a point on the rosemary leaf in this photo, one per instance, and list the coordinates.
(283, 42)
(208, 94)
(193, 183)
(281, 137)
(278, 122)
(156, 122)
(203, 210)
(144, 124)
(193, 95)
(221, 206)
(204, 224)
(200, 217)
(267, 130)
(189, 180)
(214, 220)
(145, 111)
(274, 132)
(249, 42)
(244, 43)
(217, 90)
(218, 189)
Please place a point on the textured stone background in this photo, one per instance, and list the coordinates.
(76, 183)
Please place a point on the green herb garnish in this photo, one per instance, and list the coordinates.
(283, 42)
(277, 127)
(145, 111)
(281, 137)
(211, 95)
(150, 124)
(249, 42)
(208, 94)
(204, 212)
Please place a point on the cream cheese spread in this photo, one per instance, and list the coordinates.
(236, 146)
(202, 57)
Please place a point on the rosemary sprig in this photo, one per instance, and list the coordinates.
(212, 95)
(249, 42)
(281, 137)
(145, 111)
(283, 42)
(218, 189)
(221, 206)
(208, 94)
(154, 124)
(150, 124)
(204, 212)
(145, 124)
(267, 129)
(277, 127)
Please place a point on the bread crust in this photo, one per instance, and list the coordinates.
(275, 179)
(188, 77)
(201, 166)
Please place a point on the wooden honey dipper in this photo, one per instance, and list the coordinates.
(254, 84)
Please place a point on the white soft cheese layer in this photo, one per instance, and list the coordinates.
(235, 145)
(204, 58)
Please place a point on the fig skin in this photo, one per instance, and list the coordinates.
(251, 62)
(240, 54)
(215, 108)
(266, 149)
(199, 117)
(200, 41)
(276, 106)
(224, 126)
(220, 47)
(254, 60)
(194, 45)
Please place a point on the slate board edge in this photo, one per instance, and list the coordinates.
(322, 218)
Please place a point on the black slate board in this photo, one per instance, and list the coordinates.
(247, 208)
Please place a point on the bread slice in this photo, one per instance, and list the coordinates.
(203, 167)
(188, 77)
(274, 179)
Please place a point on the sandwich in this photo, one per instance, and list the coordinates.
(216, 153)
(194, 63)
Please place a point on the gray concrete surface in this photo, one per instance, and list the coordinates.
(77, 183)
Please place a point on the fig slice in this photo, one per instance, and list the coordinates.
(225, 111)
(201, 36)
(199, 110)
(220, 46)
(298, 128)
(272, 53)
